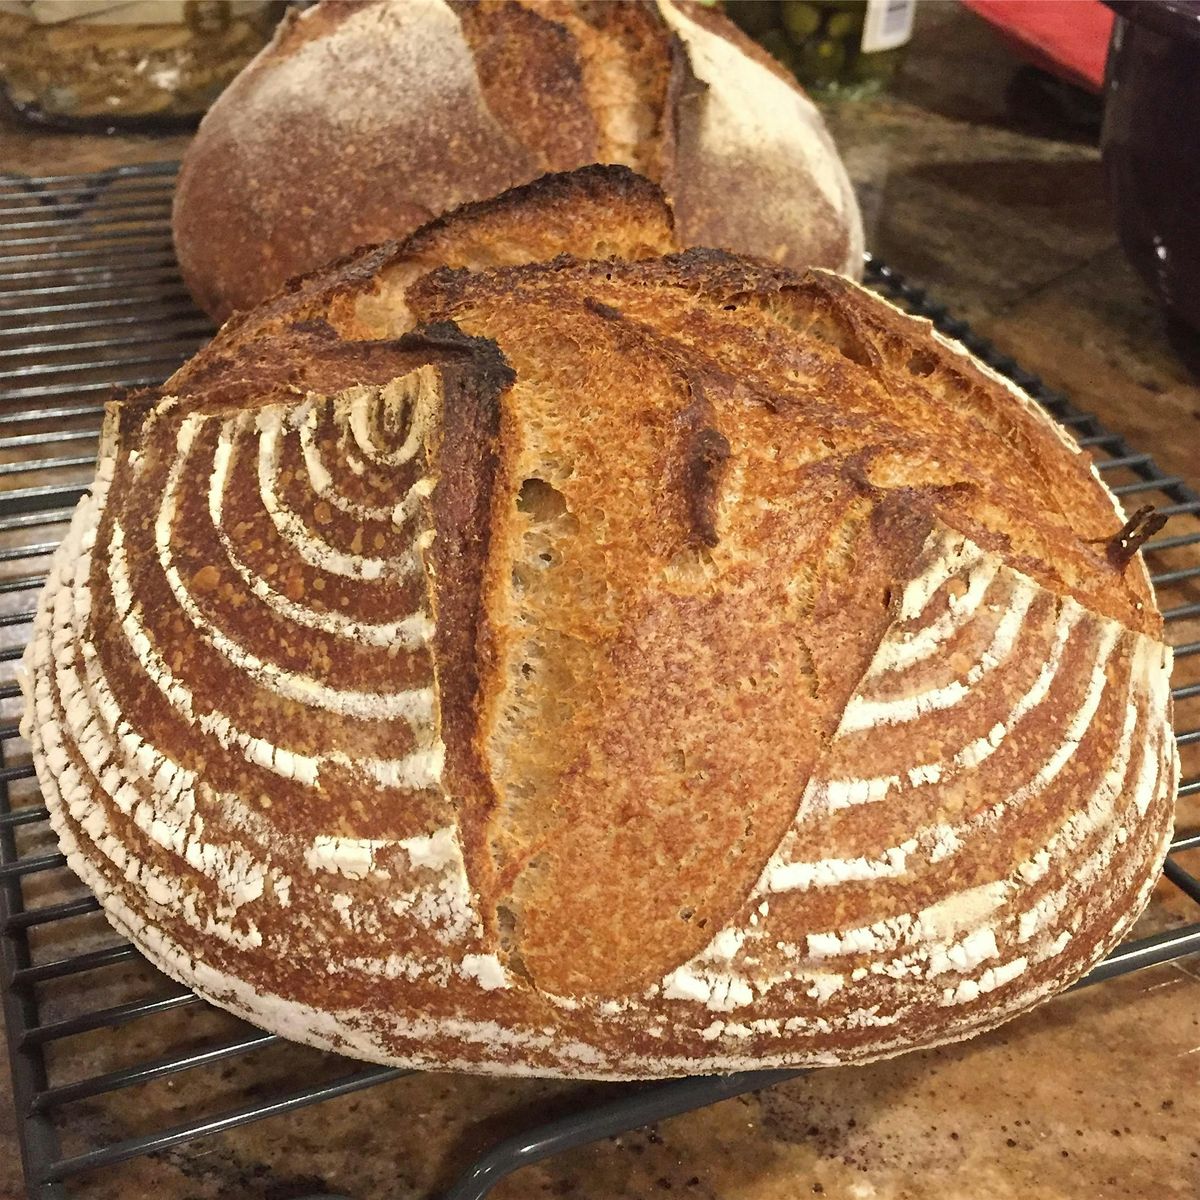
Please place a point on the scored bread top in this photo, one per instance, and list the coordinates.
(768, 454)
(614, 669)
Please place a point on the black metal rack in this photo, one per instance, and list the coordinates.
(91, 300)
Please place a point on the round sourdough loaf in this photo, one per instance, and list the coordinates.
(609, 669)
(361, 121)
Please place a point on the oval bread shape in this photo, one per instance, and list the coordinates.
(653, 668)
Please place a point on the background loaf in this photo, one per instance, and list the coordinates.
(361, 121)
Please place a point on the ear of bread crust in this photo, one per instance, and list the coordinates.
(596, 212)
(741, 134)
(530, 71)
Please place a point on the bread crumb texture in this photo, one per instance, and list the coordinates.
(631, 669)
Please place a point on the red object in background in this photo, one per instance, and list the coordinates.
(1068, 38)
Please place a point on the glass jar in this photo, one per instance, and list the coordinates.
(845, 47)
(86, 64)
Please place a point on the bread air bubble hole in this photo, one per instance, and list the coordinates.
(686, 914)
(542, 501)
(507, 924)
(546, 508)
(921, 363)
(841, 337)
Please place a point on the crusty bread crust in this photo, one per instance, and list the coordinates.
(629, 669)
(361, 121)
(595, 212)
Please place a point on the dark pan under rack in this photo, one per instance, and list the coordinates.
(91, 301)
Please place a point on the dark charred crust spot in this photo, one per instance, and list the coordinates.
(602, 310)
(704, 453)
(440, 290)
(130, 419)
(490, 368)
(317, 326)
(718, 272)
(704, 468)
(441, 336)
(465, 462)
(1132, 536)
(139, 399)
(855, 470)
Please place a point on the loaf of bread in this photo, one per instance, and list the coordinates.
(610, 669)
(363, 120)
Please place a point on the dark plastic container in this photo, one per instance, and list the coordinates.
(1151, 146)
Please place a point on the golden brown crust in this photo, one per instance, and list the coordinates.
(596, 212)
(631, 669)
(1004, 452)
(430, 105)
(531, 77)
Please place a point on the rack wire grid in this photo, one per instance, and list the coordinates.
(91, 301)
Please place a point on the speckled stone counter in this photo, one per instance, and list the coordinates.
(1096, 1096)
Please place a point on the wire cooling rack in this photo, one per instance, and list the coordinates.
(91, 301)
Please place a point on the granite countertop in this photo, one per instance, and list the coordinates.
(999, 209)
